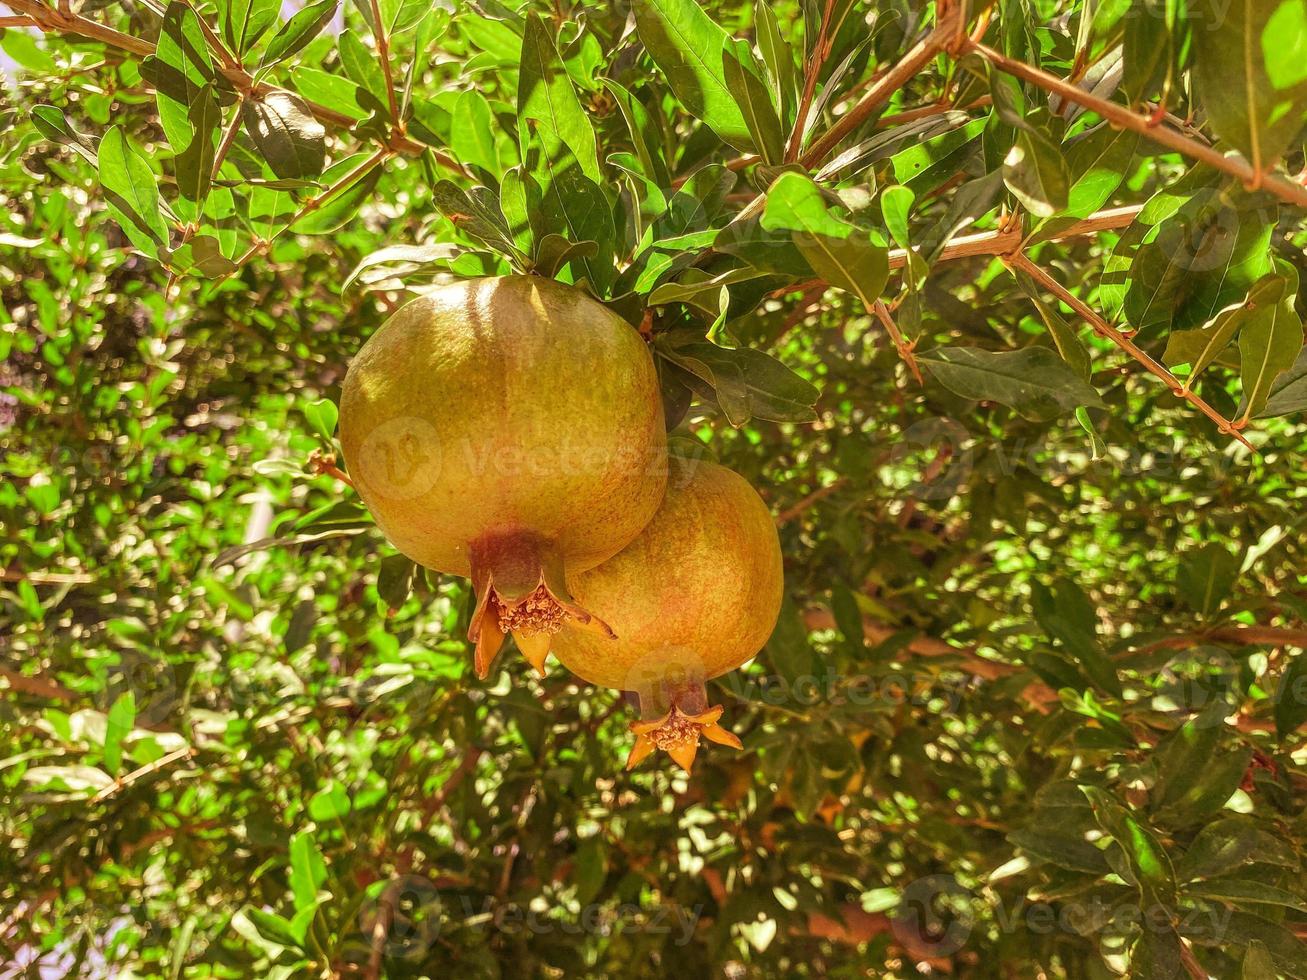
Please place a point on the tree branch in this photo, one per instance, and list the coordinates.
(1020, 261)
(1119, 115)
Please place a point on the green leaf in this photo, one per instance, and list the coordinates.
(778, 56)
(1229, 844)
(285, 132)
(1064, 335)
(748, 383)
(54, 126)
(398, 262)
(1243, 891)
(1066, 614)
(1066, 850)
(1199, 348)
(395, 580)
(895, 205)
(1034, 381)
(646, 138)
(296, 33)
(1157, 955)
(1240, 930)
(575, 207)
(1291, 696)
(322, 416)
(1289, 391)
(1199, 259)
(119, 724)
(182, 75)
(1206, 577)
(478, 216)
(472, 132)
(1258, 963)
(840, 253)
(131, 192)
(308, 872)
(194, 164)
(332, 91)
(754, 101)
(1035, 172)
(244, 22)
(1271, 340)
(1215, 782)
(1148, 861)
(547, 105)
(1154, 34)
(1248, 70)
(687, 47)
(329, 803)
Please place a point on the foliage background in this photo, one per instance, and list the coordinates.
(1034, 705)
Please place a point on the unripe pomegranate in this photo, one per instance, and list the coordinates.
(511, 430)
(694, 596)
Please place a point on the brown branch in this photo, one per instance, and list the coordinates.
(1236, 166)
(992, 243)
(926, 111)
(45, 578)
(926, 646)
(383, 55)
(909, 65)
(903, 346)
(17, 22)
(381, 928)
(36, 686)
(797, 509)
(1104, 329)
(820, 50)
(1237, 635)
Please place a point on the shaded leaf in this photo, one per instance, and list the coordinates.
(1034, 381)
(285, 132)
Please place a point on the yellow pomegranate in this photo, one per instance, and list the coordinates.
(693, 597)
(511, 430)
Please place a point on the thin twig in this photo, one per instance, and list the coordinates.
(903, 346)
(880, 93)
(36, 686)
(381, 928)
(383, 55)
(1001, 242)
(820, 50)
(1019, 260)
(1119, 115)
(799, 508)
(45, 578)
(324, 464)
(138, 774)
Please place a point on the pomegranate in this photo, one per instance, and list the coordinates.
(693, 597)
(511, 430)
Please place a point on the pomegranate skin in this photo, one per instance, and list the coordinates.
(508, 429)
(694, 596)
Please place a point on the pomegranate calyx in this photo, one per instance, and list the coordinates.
(677, 734)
